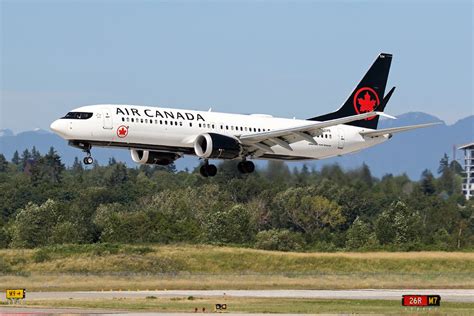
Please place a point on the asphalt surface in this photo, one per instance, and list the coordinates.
(447, 295)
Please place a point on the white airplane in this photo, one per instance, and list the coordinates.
(161, 135)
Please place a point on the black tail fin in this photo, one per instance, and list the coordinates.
(367, 96)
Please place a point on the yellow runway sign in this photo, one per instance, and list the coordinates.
(16, 294)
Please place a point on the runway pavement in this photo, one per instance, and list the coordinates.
(447, 295)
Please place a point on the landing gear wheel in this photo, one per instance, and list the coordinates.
(208, 170)
(211, 170)
(249, 166)
(88, 160)
(203, 171)
(246, 166)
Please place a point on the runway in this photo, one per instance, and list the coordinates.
(447, 295)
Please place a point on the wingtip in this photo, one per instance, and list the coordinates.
(386, 115)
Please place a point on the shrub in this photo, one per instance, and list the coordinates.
(41, 255)
(279, 239)
(4, 266)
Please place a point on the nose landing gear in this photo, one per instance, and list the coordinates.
(208, 170)
(88, 160)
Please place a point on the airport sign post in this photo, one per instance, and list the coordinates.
(421, 300)
(14, 295)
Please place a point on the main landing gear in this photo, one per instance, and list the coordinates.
(246, 166)
(208, 170)
(88, 160)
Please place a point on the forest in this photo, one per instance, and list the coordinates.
(45, 203)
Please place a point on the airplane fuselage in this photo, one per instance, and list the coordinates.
(167, 129)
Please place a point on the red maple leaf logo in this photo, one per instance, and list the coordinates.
(366, 103)
(122, 131)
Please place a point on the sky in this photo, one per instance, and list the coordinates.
(285, 58)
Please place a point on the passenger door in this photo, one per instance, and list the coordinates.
(340, 139)
(107, 117)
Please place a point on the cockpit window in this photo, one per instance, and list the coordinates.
(78, 115)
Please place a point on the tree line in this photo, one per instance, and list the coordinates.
(43, 203)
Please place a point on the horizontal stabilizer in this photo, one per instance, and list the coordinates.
(381, 132)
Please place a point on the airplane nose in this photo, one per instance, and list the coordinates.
(55, 126)
(59, 127)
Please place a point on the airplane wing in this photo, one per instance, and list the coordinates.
(386, 131)
(284, 137)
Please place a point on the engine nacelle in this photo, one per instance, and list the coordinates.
(212, 145)
(153, 157)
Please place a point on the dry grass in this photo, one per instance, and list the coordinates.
(89, 267)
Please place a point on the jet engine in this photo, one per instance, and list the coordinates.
(212, 145)
(153, 157)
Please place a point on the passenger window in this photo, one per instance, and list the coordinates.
(128, 119)
(132, 119)
(227, 127)
(190, 124)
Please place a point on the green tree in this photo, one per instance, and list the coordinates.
(280, 240)
(33, 224)
(25, 156)
(277, 170)
(35, 154)
(16, 158)
(443, 164)
(234, 225)
(427, 182)
(77, 166)
(456, 167)
(308, 212)
(398, 225)
(3, 163)
(358, 234)
(116, 175)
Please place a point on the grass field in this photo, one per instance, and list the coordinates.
(253, 305)
(123, 267)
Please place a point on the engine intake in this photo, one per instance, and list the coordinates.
(153, 157)
(212, 145)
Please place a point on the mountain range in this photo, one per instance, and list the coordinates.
(410, 152)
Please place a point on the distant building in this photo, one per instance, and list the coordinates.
(468, 180)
